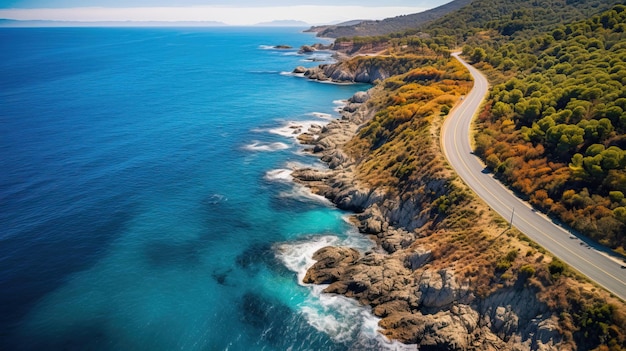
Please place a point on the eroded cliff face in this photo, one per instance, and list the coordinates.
(421, 298)
(365, 68)
(340, 73)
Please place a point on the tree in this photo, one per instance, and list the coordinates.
(565, 136)
(478, 55)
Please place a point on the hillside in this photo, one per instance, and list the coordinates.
(554, 129)
(389, 25)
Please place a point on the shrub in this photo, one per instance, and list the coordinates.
(502, 266)
(511, 255)
(526, 271)
(556, 268)
(616, 196)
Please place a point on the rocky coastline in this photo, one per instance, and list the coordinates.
(419, 301)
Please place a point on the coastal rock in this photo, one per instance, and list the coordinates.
(519, 304)
(299, 70)
(304, 49)
(309, 174)
(372, 221)
(359, 97)
(545, 333)
(306, 138)
(452, 330)
(330, 265)
(351, 107)
(342, 73)
(505, 321)
(440, 289)
(418, 258)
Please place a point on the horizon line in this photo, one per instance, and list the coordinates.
(310, 14)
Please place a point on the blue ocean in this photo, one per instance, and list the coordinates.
(145, 196)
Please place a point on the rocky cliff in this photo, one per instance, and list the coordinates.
(365, 69)
(419, 303)
(447, 275)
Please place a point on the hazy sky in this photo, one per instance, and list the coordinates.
(236, 12)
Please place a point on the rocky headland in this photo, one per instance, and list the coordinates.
(447, 274)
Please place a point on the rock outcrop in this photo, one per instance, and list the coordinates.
(342, 73)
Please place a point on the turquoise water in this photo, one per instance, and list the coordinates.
(145, 197)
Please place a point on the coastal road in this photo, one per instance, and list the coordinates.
(592, 260)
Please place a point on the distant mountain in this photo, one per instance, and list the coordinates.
(17, 23)
(318, 29)
(283, 23)
(389, 25)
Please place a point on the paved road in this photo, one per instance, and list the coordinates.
(589, 259)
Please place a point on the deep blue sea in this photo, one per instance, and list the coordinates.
(145, 197)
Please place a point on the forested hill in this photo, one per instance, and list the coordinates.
(390, 25)
(513, 16)
(554, 129)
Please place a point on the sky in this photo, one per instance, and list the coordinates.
(234, 12)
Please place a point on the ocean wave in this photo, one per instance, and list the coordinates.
(302, 193)
(292, 129)
(292, 74)
(298, 256)
(267, 47)
(279, 175)
(260, 146)
(342, 102)
(341, 318)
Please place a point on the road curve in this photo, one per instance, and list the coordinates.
(589, 259)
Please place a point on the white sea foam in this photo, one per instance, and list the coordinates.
(292, 129)
(300, 192)
(260, 146)
(343, 319)
(340, 102)
(279, 175)
(298, 256)
(292, 74)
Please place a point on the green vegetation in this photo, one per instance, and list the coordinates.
(496, 20)
(556, 268)
(556, 132)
